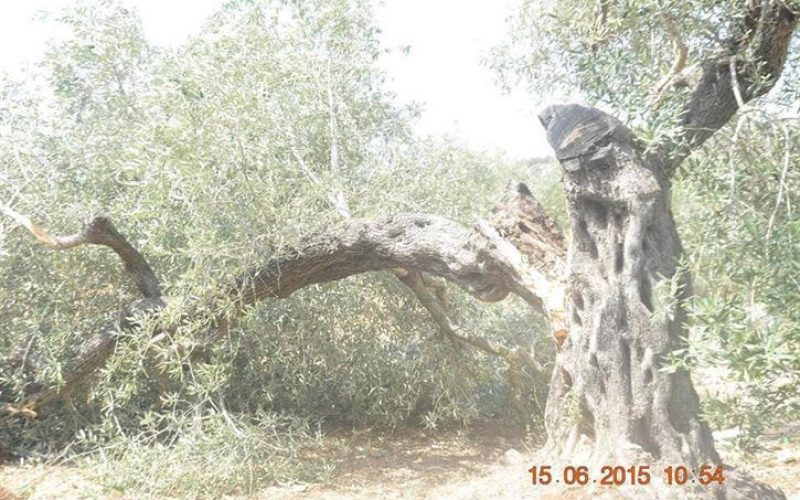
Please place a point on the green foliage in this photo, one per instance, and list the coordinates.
(212, 456)
(615, 55)
(210, 158)
(737, 204)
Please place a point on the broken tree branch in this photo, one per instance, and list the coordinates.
(98, 231)
(513, 356)
(439, 314)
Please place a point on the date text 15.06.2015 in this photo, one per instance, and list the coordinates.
(617, 475)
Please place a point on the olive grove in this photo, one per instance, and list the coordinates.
(236, 180)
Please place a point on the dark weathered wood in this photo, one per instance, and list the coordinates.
(625, 304)
(749, 62)
(521, 220)
(577, 131)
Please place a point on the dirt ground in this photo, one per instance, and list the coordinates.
(483, 462)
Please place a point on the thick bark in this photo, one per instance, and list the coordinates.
(480, 261)
(520, 219)
(624, 247)
(625, 292)
(625, 303)
(426, 243)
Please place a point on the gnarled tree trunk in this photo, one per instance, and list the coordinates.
(624, 301)
(610, 403)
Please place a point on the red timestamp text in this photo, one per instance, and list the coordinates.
(618, 475)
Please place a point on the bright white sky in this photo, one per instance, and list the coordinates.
(443, 70)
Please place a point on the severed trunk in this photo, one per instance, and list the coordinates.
(610, 403)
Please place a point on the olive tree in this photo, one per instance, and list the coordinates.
(265, 139)
(626, 288)
(619, 310)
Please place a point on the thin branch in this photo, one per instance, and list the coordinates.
(415, 282)
(737, 92)
(600, 24)
(781, 185)
(336, 196)
(514, 357)
(679, 62)
(333, 123)
(41, 234)
(732, 162)
(299, 158)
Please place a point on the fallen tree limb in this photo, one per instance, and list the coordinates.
(489, 268)
(448, 327)
(513, 356)
(98, 231)
(518, 225)
(415, 241)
